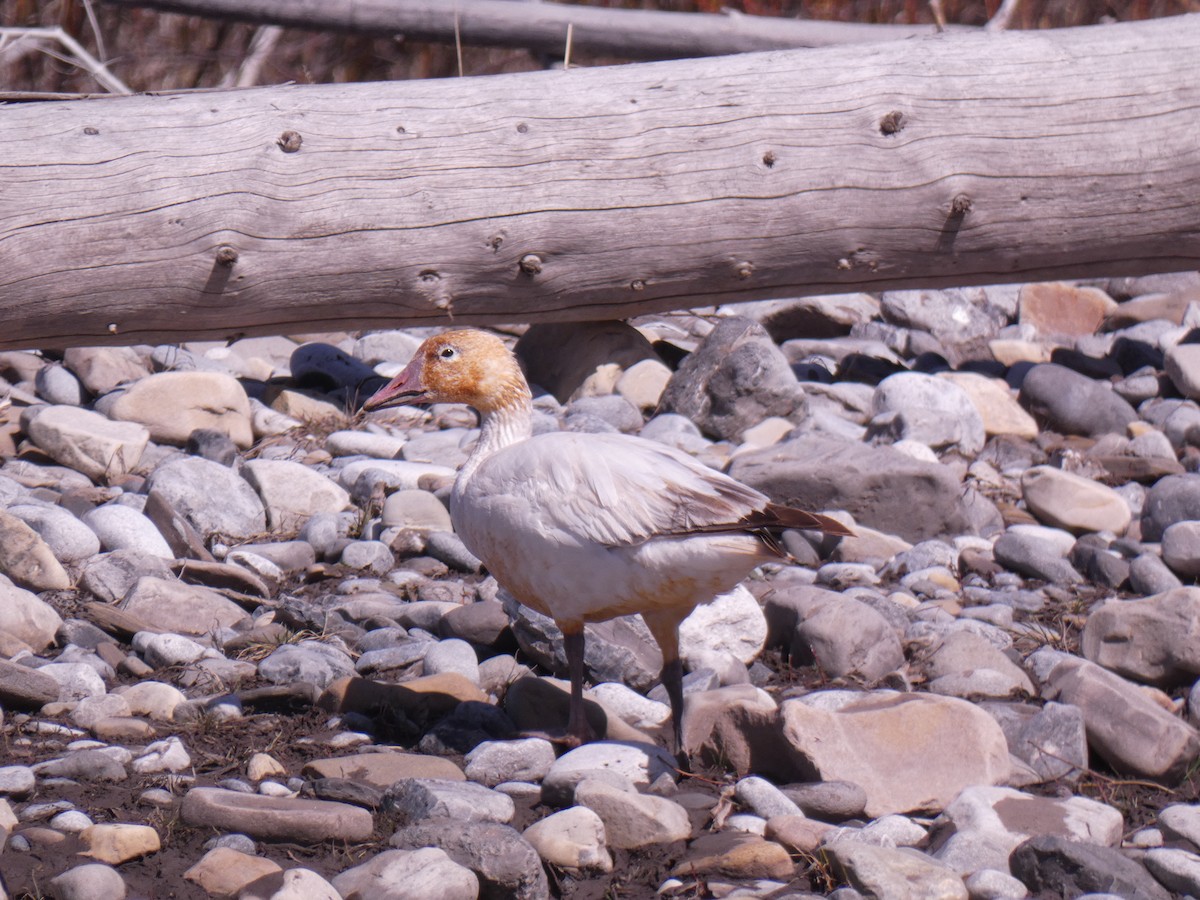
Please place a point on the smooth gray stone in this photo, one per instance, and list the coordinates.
(736, 378)
(1072, 403)
(507, 864)
(881, 487)
(1069, 868)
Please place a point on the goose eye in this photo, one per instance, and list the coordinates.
(447, 353)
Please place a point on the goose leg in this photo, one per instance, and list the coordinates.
(578, 729)
(666, 631)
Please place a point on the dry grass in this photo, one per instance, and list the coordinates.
(152, 51)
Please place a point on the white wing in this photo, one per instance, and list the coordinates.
(611, 490)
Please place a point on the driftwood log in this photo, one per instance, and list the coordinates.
(957, 159)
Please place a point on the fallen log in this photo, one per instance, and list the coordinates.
(625, 33)
(607, 192)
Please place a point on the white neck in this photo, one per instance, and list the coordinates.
(498, 428)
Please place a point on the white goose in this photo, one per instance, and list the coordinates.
(586, 527)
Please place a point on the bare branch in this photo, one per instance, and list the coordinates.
(1004, 16)
(261, 46)
(78, 56)
(626, 33)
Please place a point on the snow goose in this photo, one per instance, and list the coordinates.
(586, 527)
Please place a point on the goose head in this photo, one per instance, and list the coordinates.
(469, 366)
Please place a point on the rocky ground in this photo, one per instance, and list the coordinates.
(242, 653)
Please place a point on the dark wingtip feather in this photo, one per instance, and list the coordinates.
(779, 516)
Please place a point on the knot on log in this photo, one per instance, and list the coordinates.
(290, 141)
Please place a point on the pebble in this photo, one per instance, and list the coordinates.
(91, 881)
(573, 838)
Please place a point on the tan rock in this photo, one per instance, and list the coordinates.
(27, 560)
(1182, 363)
(898, 873)
(276, 818)
(263, 765)
(115, 844)
(561, 357)
(738, 727)
(1056, 308)
(736, 855)
(572, 838)
(1154, 640)
(293, 884)
(869, 545)
(25, 617)
(382, 770)
(8, 821)
(86, 441)
(1009, 351)
(103, 368)
(643, 383)
(309, 408)
(801, 834)
(632, 820)
(884, 741)
(1072, 502)
(222, 872)
(152, 698)
(122, 729)
(996, 403)
(292, 492)
(174, 404)
(181, 608)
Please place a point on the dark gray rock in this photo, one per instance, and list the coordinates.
(213, 498)
(347, 790)
(620, 649)
(1099, 565)
(612, 408)
(1028, 555)
(1071, 403)
(1175, 498)
(507, 865)
(84, 765)
(1051, 739)
(881, 487)
(208, 443)
(23, 688)
(829, 801)
(446, 547)
(1148, 574)
(1065, 868)
(483, 624)
(848, 639)
(736, 378)
(326, 368)
(954, 316)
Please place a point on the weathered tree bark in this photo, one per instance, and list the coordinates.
(602, 192)
(626, 33)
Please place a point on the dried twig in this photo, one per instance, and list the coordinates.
(1004, 16)
(939, 16)
(12, 38)
(261, 47)
(458, 42)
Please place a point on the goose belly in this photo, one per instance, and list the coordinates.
(576, 583)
